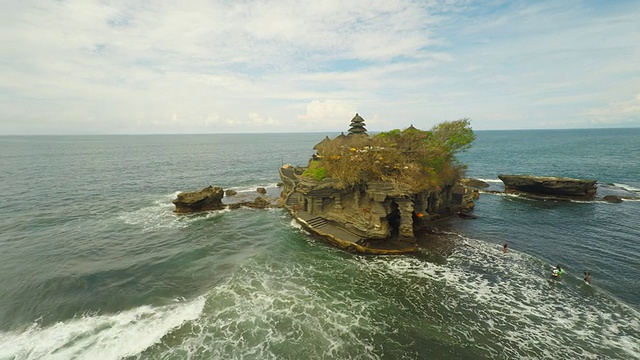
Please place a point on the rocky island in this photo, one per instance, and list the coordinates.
(377, 194)
(370, 194)
(547, 187)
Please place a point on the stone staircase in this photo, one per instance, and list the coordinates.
(292, 199)
(317, 222)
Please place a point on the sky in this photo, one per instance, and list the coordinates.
(223, 66)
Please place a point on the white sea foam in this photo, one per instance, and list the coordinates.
(627, 187)
(313, 308)
(316, 309)
(512, 297)
(295, 224)
(586, 201)
(510, 195)
(109, 336)
(496, 181)
(262, 312)
(161, 215)
(253, 187)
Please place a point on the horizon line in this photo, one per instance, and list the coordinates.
(283, 133)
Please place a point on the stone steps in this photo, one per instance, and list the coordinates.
(317, 222)
(292, 201)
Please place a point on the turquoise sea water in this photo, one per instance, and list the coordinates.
(95, 265)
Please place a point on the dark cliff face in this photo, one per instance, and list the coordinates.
(376, 210)
(553, 187)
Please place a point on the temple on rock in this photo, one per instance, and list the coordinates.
(369, 194)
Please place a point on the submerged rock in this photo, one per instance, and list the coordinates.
(466, 215)
(549, 187)
(612, 199)
(209, 198)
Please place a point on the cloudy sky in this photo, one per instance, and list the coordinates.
(220, 66)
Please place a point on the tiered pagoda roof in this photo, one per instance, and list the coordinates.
(357, 126)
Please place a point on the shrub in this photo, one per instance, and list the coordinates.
(315, 170)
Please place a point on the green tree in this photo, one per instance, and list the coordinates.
(456, 135)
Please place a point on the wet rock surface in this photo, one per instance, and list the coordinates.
(542, 187)
(209, 198)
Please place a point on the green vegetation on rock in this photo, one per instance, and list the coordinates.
(413, 160)
(315, 171)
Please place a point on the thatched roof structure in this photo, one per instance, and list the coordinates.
(340, 139)
(323, 142)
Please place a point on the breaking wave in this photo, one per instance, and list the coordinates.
(109, 336)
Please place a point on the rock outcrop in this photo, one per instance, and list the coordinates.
(474, 183)
(209, 198)
(375, 210)
(378, 194)
(258, 203)
(545, 187)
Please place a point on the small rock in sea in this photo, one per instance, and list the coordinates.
(209, 198)
(230, 192)
(612, 199)
(261, 190)
(258, 203)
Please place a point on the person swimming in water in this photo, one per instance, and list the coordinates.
(587, 277)
(557, 271)
(504, 248)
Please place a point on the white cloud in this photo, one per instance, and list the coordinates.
(257, 120)
(93, 66)
(328, 114)
(619, 112)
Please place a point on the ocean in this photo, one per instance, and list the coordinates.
(94, 264)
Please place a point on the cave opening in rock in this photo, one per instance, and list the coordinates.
(416, 219)
(394, 219)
